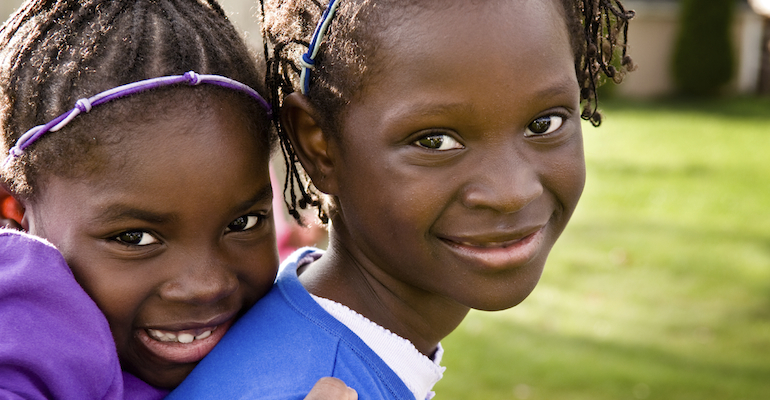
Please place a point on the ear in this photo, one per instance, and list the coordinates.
(311, 144)
(11, 210)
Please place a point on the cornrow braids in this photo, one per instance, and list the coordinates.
(54, 52)
(347, 58)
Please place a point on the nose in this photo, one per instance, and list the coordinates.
(505, 181)
(200, 278)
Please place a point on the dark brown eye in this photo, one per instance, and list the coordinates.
(544, 125)
(135, 238)
(244, 223)
(438, 142)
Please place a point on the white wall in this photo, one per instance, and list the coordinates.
(651, 37)
(241, 12)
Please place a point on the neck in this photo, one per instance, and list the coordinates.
(348, 277)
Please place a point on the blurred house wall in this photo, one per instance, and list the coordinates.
(241, 12)
(651, 37)
(651, 42)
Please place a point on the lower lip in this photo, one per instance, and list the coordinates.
(501, 257)
(182, 353)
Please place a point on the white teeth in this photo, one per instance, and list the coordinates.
(185, 338)
(171, 337)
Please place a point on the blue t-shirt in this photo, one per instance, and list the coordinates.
(55, 343)
(283, 345)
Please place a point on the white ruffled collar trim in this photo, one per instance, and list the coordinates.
(417, 371)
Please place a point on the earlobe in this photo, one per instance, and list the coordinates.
(311, 144)
(11, 210)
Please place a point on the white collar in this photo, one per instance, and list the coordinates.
(417, 371)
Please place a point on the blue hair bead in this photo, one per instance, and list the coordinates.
(307, 61)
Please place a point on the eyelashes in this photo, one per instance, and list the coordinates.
(141, 238)
(540, 126)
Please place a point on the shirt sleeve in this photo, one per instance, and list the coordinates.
(54, 340)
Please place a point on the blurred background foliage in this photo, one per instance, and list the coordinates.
(703, 55)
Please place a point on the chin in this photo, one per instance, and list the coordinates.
(499, 304)
(503, 297)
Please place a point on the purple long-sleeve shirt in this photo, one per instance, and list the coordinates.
(54, 341)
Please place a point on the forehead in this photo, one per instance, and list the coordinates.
(172, 143)
(515, 51)
(515, 32)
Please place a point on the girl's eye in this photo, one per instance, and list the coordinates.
(438, 142)
(136, 238)
(544, 125)
(244, 223)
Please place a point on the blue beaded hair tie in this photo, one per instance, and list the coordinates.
(307, 61)
(85, 105)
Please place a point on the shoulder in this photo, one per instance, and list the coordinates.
(16, 245)
(272, 352)
(51, 329)
(29, 264)
(283, 346)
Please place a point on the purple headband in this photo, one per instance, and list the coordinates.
(85, 105)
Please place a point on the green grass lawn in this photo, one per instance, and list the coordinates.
(660, 287)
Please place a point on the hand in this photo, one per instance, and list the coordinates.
(331, 389)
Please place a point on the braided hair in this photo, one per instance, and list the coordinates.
(347, 56)
(53, 52)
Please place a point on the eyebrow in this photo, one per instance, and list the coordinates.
(118, 212)
(264, 194)
(429, 109)
(560, 87)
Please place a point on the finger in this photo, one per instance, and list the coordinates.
(331, 389)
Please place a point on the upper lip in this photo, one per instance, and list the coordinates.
(210, 322)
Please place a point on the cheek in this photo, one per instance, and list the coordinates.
(565, 175)
(117, 293)
(257, 268)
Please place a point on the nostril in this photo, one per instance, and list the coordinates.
(200, 288)
(506, 195)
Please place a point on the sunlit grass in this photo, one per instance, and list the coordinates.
(660, 287)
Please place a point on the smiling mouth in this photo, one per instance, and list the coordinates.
(489, 245)
(187, 336)
(497, 253)
(182, 346)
